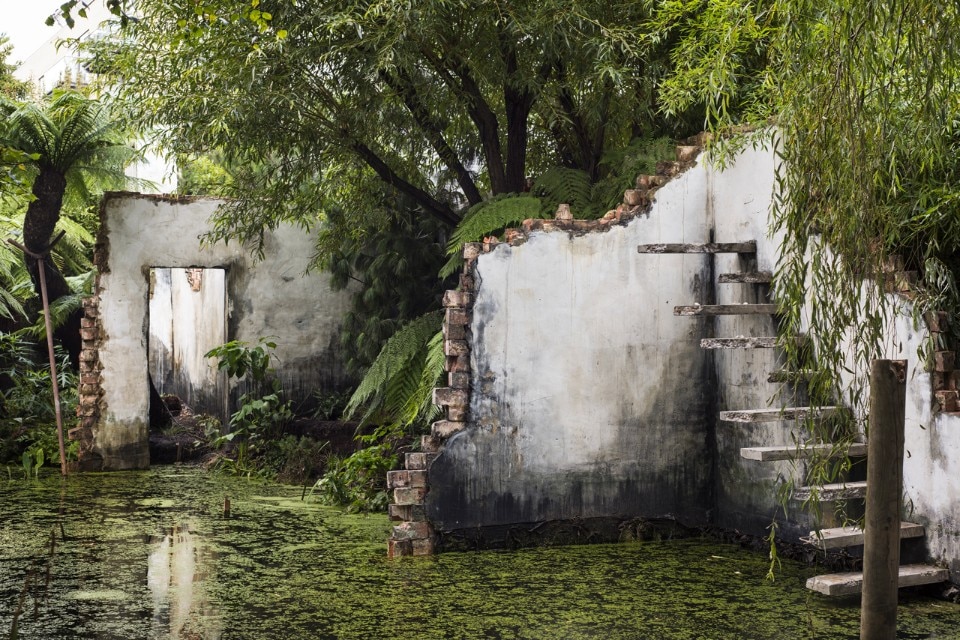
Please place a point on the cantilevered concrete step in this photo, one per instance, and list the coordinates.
(726, 310)
(739, 343)
(848, 584)
(776, 415)
(747, 277)
(700, 247)
(833, 492)
(793, 377)
(841, 537)
(792, 452)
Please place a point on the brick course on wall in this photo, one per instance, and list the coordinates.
(91, 403)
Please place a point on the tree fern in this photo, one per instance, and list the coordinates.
(396, 375)
(560, 185)
(620, 168)
(489, 218)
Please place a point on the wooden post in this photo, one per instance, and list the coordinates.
(881, 531)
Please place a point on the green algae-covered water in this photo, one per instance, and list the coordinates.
(151, 555)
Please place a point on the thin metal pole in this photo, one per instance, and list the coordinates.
(48, 323)
(53, 366)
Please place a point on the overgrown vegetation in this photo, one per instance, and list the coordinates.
(865, 100)
(28, 436)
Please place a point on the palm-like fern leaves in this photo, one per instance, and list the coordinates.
(397, 387)
(486, 218)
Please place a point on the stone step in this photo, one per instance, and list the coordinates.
(834, 492)
(793, 377)
(746, 277)
(841, 537)
(739, 343)
(776, 415)
(700, 247)
(726, 310)
(793, 452)
(848, 584)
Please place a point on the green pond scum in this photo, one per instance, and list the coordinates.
(152, 555)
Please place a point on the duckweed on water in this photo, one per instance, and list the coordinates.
(150, 555)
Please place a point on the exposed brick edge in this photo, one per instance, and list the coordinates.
(91, 403)
(414, 536)
(943, 367)
(636, 202)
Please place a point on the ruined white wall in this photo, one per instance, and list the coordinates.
(588, 397)
(269, 298)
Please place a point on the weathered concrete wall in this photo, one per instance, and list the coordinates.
(269, 298)
(588, 395)
(575, 393)
(931, 465)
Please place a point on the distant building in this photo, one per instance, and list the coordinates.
(56, 63)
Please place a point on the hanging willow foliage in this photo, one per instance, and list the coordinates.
(864, 97)
(868, 109)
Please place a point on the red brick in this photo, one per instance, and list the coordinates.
(454, 332)
(456, 348)
(634, 197)
(407, 512)
(412, 531)
(423, 547)
(458, 364)
(419, 460)
(457, 316)
(429, 444)
(459, 299)
(445, 428)
(941, 380)
(943, 361)
(445, 396)
(89, 378)
(457, 413)
(687, 153)
(406, 478)
(936, 321)
(466, 282)
(87, 323)
(947, 400)
(471, 250)
(409, 495)
(399, 548)
(458, 380)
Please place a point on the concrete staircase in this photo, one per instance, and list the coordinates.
(838, 584)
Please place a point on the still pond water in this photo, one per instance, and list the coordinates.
(150, 555)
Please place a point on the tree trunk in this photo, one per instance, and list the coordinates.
(41, 219)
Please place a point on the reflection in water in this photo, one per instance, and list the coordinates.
(177, 567)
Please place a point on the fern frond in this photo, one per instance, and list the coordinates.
(622, 166)
(561, 185)
(489, 218)
(397, 370)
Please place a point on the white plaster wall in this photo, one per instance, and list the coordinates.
(588, 396)
(269, 298)
(931, 465)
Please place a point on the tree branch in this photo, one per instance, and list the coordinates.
(403, 86)
(439, 211)
(456, 74)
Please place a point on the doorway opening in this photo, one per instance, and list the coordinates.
(187, 318)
